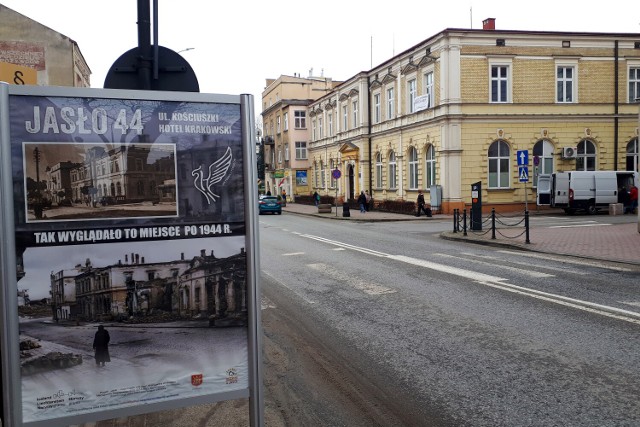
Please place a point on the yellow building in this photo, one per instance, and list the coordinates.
(25, 43)
(286, 131)
(455, 109)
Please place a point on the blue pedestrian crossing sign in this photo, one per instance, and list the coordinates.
(522, 156)
(523, 173)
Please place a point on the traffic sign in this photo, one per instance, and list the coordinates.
(522, 156)
(336, 173)
(523, 173)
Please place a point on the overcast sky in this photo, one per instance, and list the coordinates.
(238, 44)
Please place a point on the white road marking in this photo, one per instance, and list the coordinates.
(576, 225)
(580, 262)
(529, 265)
(339, 249)
(523, 271)
(266, 303)
(293, 253)
(634, 303)
(499, 283)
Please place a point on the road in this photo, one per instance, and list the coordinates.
(387, 324)
(461, 335)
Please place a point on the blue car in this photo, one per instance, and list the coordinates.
(269, 204)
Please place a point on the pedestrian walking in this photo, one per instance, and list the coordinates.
(101, 346)
(316, 198)
(633, 199)
(362, 201)
(422, 206)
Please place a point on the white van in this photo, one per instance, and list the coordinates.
(583, 190)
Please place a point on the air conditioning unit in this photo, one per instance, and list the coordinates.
(569, 152)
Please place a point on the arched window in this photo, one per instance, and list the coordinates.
(430, 170)
(413, 168)
(499, 159)
(379, 170)
(632, 155)
(392, 170)
(543, 149)
(586, 156)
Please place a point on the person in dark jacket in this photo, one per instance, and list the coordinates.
(422, 206)
(101, 346)
(362, 201)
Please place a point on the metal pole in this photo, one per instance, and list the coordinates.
(493, 223)
(526, 226)
(464, 222)
(455, 220)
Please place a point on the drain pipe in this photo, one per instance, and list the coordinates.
(616, 119)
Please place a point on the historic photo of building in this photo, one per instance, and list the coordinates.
(65, 181)
(133, 288)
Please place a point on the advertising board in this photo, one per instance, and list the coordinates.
(126, 224)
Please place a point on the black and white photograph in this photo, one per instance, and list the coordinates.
(128, 323)
(66, 182)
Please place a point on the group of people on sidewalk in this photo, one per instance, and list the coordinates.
(364, 199)
(629, 199)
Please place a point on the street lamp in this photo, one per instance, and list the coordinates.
(184, 50)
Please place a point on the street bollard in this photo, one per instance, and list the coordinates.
(493, 223)
(526, 226)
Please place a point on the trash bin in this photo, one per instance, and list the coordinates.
(345, 210)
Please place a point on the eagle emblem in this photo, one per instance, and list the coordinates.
(217, 171)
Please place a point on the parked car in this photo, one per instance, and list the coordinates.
(269, 204)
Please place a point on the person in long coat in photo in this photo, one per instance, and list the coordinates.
(101, 346)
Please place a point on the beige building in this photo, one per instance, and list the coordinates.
(55, 57)
(285, 119)
(455, 109)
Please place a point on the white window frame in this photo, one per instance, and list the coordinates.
(498, 163)
(330, 123)
(412, 92)
(379, 170)
(301, 150)
(278, 118)
(545, 159)
(501, 63)
(300, 119)
(320, 129)
(393, 169)
(354, 108)
(376, 107)
(313, 130)
(345, 117)
(390, 103)
(583, 156)
(413, 168)
(322, 174)
(566, 81)
(286, 152)
(633, 86)
(429, 88)
(280, 155)
(430, 166)
(633, 155)
(286, 121)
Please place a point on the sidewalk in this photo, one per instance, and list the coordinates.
(614, 242)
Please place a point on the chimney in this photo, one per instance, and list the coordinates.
(137, 258)
(489, 24)
(142, 260)
(181, 256)
(126, 258)
(203, 253)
